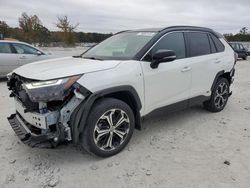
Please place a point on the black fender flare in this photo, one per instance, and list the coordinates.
(219, 74)
(230, 76)
(80, 114)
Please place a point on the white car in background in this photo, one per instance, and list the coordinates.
(14, 54)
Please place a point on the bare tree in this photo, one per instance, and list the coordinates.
(67, 29)
(244, 31)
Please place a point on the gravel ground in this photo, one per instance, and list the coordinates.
(191, 148)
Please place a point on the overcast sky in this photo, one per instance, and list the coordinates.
(225, 16)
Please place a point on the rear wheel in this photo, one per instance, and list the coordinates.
(109, 127)
(219, 96)
(244, 58)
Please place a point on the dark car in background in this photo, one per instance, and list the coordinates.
(240, 50)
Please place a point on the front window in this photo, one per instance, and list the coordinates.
(24, 49)
(123, 46)
(172, 41)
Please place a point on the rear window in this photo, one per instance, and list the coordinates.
(219, 46)
(5, 48)
(198, 44)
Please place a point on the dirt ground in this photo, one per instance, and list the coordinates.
(188, 149)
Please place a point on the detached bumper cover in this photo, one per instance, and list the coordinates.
(26, 136)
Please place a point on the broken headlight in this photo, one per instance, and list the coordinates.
(49, 90)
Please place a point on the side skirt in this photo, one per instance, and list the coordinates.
(176, 107)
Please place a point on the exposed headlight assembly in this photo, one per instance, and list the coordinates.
(49, 90)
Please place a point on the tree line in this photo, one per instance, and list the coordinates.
(32, 30)
(243, 36)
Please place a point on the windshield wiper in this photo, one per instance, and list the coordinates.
(77, 56)
(94, 58)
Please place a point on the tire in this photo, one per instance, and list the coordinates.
(219, 97)
(96, 138)
(244, 58)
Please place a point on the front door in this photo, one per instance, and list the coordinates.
(170, 82)
(27, 54)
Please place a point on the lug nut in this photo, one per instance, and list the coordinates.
(55, 139)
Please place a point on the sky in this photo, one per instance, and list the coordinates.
(224, 16)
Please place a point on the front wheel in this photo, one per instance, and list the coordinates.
(219, 96)
(109, 127)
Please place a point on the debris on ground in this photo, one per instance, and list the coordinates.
(226, 162)
(12, 161)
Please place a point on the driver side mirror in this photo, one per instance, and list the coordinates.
(39, 53)
(162, 56)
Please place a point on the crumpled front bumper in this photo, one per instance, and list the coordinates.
(22, 130)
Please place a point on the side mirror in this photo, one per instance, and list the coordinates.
(39, 53)
(162, 56)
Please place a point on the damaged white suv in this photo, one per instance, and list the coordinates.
(98, 98)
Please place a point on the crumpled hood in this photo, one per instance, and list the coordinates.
(62, 67)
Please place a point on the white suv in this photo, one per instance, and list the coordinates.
(98, 98)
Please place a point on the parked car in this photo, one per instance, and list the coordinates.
(14, 54)
(240, 50)
(98, 98)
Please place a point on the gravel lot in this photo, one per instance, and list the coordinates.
(192, 148)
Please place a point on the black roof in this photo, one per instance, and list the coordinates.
(177, 28)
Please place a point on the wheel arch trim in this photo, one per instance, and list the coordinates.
(81, 113)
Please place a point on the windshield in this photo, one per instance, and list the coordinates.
(123, 46)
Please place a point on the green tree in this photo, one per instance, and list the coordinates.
(33, 30)
(42, 35)
(4, 29)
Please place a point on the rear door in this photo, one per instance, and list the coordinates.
(8, 59)
(206, 61)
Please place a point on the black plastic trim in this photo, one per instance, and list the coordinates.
(216, 78)
(29, 138)
(177, 106)
(80, 114)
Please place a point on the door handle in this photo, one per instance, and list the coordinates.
(217, 61)
(23, 57)
(186, 69)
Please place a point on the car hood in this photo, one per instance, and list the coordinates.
(62, 67)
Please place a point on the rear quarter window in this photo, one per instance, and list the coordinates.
(218, 44)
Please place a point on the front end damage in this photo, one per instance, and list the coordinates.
(44, 109)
